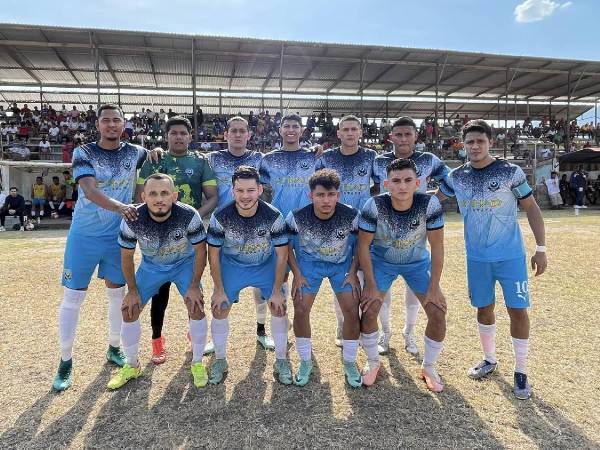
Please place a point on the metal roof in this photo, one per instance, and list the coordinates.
(62, 57)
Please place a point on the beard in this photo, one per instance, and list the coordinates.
(160, 213)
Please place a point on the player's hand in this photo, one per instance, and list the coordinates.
(11, 211)
(539, 262)
(370, 297)
(277, 302)
(352, 280)
(129, 212)
(194, 299)
(435, 296)
(218, 301)
(154, 155)
(297, 285)
(132, 305)
(317, 150)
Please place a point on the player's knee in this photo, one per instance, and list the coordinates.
(485, 314)
(301, 308)
(221, 313)
(435, 315)
(128, 318)
(518, 314)
(370, 315)
(198, 314)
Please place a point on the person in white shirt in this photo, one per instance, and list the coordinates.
(554, 191)
(44, 147)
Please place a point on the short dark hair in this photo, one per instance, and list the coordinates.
(292, 118)
(478, 126)
(160, 177)
(404, 121)
(348, 118)
(328, 178)
(109, 107)
(178, 120)
(55, 178)
(245, 173)
(237, 119)
(401, 164)
(13, 187)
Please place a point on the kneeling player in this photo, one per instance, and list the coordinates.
(247, 247)
(172, 241)
(322, 242)
(392, 242)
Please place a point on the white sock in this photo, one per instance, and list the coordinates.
(412, 306)
(62, 204)
(261, 307)
(286, 290)
(115, 317)
(487, 335)
(304, 348)
(51, 204)
(384, 312)
(350, 350)
(339, 316)
(279, 330)
(369, 343)
(42, 213)
(198, 331)
(219, 329)
(68, 316)
(432, 351)
(520, 349)
(131, 332)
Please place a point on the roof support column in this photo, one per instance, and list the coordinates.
(119, 97)
(568, 132)
(220, 101)
(362, 80)
(387, 108)
(505, 112)
(95, 54)
(194, 100)
(281, 80)
(41, 98)
(596, 122)
(515, 112)
(435, 112)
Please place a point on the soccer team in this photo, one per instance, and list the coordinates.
(359, 219)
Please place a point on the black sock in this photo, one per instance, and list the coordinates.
(260, 329)
(157, 310)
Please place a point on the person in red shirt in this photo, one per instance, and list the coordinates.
(67, 151)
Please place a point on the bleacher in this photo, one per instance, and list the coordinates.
(55, 153)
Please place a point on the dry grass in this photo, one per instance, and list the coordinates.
(163, 409)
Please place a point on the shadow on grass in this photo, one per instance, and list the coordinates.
(545, 424)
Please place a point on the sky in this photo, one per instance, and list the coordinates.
(551, 28)
(547, 28)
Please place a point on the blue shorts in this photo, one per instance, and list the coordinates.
(84, 253)
(38, 201)
(512, 276)
(150, 278)
(416, 275)
(316, 271)
(235, 278)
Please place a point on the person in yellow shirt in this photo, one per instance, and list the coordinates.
(57, 196)
(39, 192)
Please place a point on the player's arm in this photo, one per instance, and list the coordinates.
(299, 280)
(352, 278)
(95, 195)
(370, 293)
(434, 293)
(194, 296)
(214, 260)
(277, 299)
(212, 198)
(132, 303)
(539, 261)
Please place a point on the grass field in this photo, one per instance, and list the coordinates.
(164, 410)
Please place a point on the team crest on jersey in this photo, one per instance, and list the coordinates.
(340, 234)
(189, 171)
(493, 185)
(261, 232)
(414, 223)
(304, 165)
(177, 234)
(67, 275)
(361, 171)
(127, 165)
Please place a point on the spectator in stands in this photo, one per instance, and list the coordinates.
(74, 113)
(25, 112)
(24, 130)
(420, 146)
(19, 151)
(553, 186)
(39, 193)
(578, 183)
(44, 148)
(3, 115)
(14, 205)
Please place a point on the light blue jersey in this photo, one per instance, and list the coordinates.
(224, 163)
(487, 199)
(428, 166)
(288, 173)
(114, 171)
(316, 240)
(401, 236)
(355, 171)
(247, 241)
(164, 245)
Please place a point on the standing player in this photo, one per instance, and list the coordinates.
(322, 244)
(224, 163)
(172, 240)
(247, 247)
(193, 177)
(354, 164)
(39, 194)
(404, 137)
(394, 228)
(488, 191)
(105, 171)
